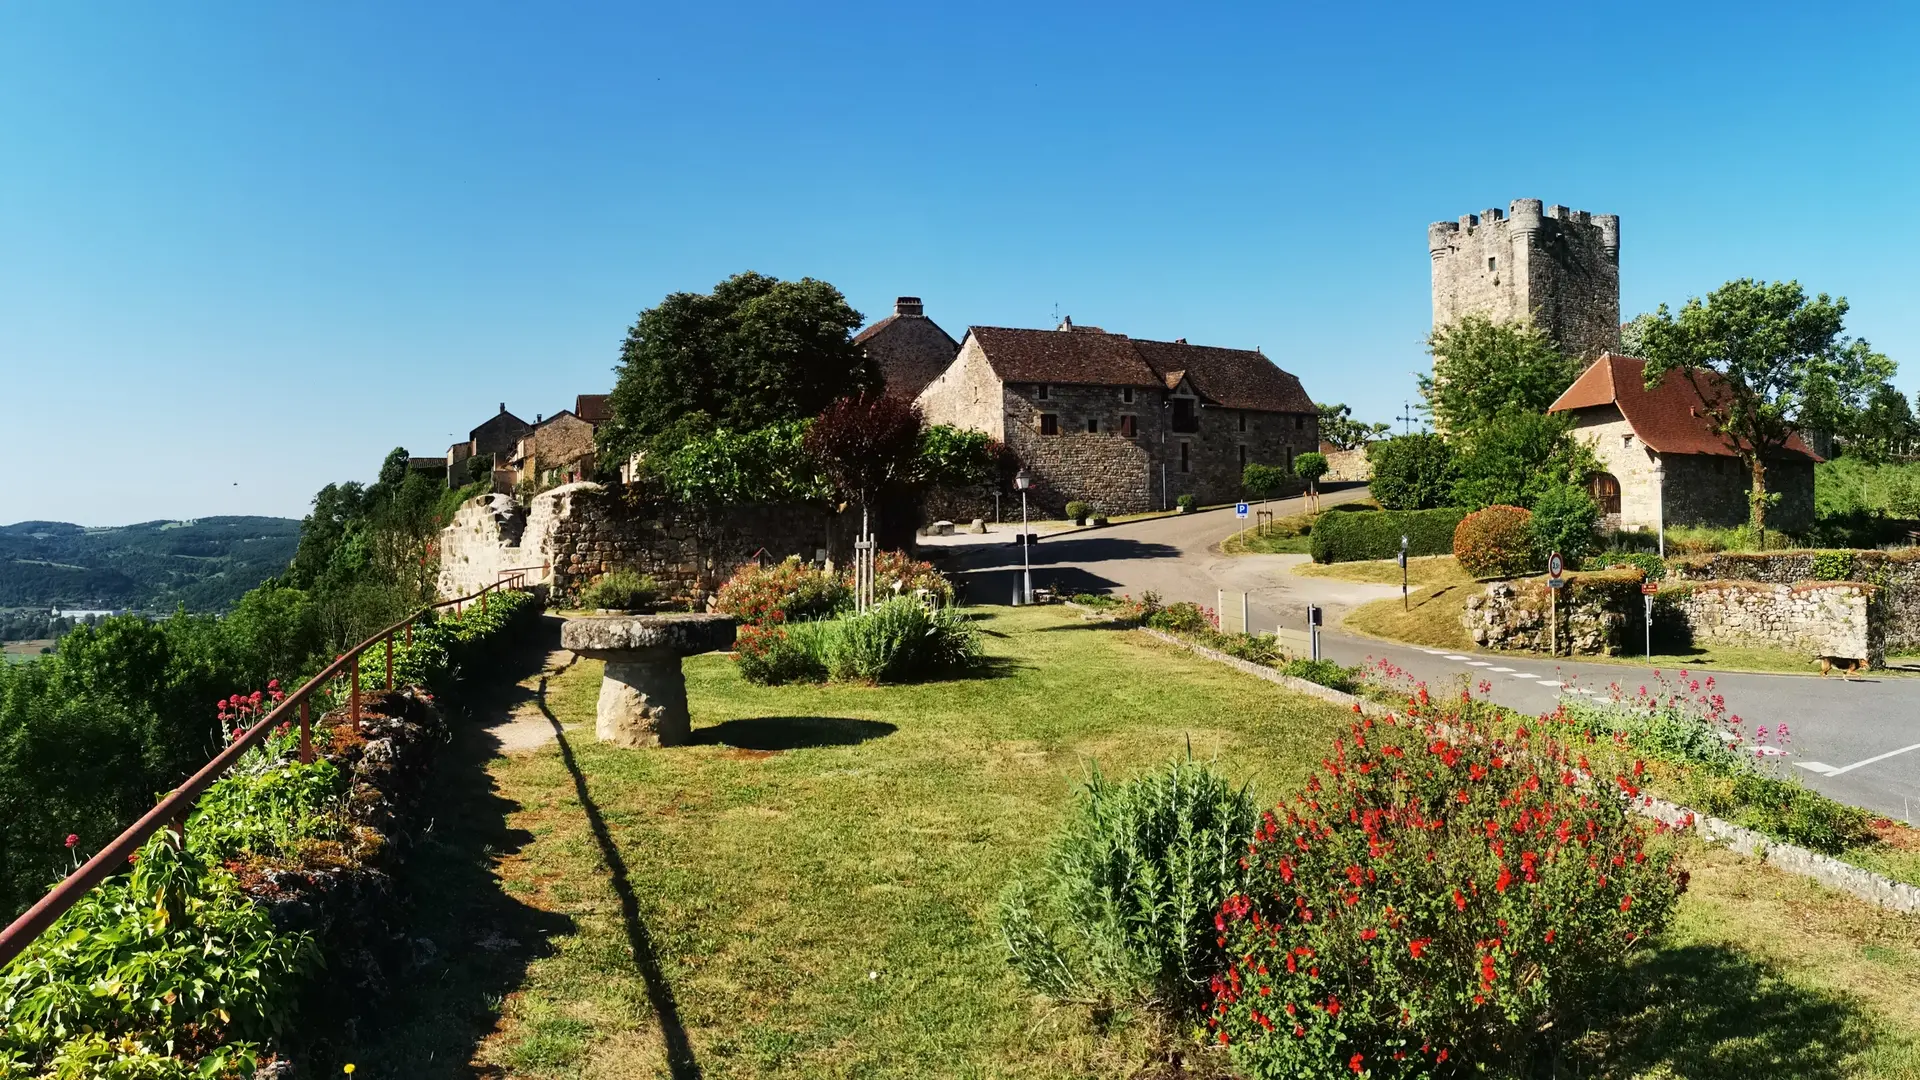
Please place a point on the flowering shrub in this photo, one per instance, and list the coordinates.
(1495, 542)
(1434, 894)
(785, 591)
(1184, 617)
(895, 572)
(768, 654)
(1123, 908)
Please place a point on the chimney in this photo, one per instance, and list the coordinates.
(503, 406)
(1179, 341)
(908, 305)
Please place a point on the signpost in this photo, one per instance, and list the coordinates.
(1313, 630)
(1647, 591)
(1555, 564)
(1405, 604)
(1240, 511)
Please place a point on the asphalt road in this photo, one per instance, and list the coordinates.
(1857, 741)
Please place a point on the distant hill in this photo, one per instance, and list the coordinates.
(205, 564)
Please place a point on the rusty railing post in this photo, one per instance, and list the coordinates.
(354, 707)
(389, 661)
(306, 734)
(483, 600)
(409, 632)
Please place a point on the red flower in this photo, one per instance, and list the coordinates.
(1333, 1006)
(1626, 902)
(1442, 1056)
(72, 839)
(273, 684)
(1354, 1062)
(1418, 946)
(1369, 934)
(1459, 901)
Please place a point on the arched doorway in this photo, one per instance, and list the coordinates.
(1605, 489)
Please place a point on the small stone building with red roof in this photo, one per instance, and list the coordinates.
(1664, 462)
(1125, 424)
(910, 349)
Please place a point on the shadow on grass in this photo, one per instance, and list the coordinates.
(791, 732)
(470, 941)
(1710, 1011)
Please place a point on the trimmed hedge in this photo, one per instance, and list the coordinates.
(1376, 535)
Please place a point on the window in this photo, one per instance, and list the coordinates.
(1243, 421)
(1243, 456)
(1186, 457)
(1289, 460)
(1605, 489)
(1126, 394)
(1126, 427)
(1093, 425)
(1490, 264)
(1299, 422)
(1040, 391)
(1049, 423)
(1186, 416)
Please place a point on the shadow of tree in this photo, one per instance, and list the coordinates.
(1711, 1011)
(791, 732)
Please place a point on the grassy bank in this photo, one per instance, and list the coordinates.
(809, 890)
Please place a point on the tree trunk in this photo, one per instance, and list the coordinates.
(1757, 500)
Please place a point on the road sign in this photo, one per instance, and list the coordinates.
(1649, 588)
(1554, 565)
(1556, 583)
(1240, 511)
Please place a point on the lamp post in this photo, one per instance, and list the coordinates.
(1024, 480)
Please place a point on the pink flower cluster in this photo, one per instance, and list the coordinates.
(238, 712)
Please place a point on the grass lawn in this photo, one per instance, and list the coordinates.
(1422, 570)
(809, 891)
(1252, 542)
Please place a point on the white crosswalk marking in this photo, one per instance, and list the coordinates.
(1551, 682)
(1502, 670)
(1476, 663)
(1525, 675)
(1451, 656)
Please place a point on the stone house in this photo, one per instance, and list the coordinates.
(1125, 424)
(556, 450)
(494, 439)
(910, 349)
(1664, 462)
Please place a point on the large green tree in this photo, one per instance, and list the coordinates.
(1517, 457)
(1786, 362)
(1483, 369)
(755, 351)
(1338, 427)
(1885, 428)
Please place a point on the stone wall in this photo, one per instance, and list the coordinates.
(967, 395)
(1817, 618)
(585, 529)
(1559, 267)
(1897, 573)
(1622, 454)
(1348, 466)
(1519, 616)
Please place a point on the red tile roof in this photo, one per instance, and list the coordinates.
(1671, 418)
(593, 408)
(1232, 378)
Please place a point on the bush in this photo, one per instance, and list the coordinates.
(770, 655)
(1515, 458)
(1077, 510)
(1310, 466)
(1432, 898)
(1263, 481)
(1185, 617)
(1653, 566)
(1376, 535)
(1123, 908)
(787, 591)
(1564, 518)
(1412, 472)
(898, 641)
(621, 590)
(1325, 672)
(1495, 542)
(1188, 503)
(903, 576)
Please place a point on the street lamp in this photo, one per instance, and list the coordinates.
(1023, 480)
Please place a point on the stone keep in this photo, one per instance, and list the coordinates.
(1559, 266)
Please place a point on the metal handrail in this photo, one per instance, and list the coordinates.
(172, 811)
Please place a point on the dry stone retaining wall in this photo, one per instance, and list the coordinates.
(1518, 616)
(1896, 572)
(1348, 467)
(1819, 618)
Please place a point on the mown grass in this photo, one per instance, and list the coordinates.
(809, 891)
(1422, 571)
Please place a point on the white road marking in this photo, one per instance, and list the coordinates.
(1476, 663)
(1434, 652)
(1502, 670)
(1525, 675)
(1551, 682)
(1452, 657)
(1877, 757)
(1820, 767)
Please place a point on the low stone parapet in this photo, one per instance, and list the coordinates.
(1818, 618)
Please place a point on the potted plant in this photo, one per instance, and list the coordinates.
(1077, 511)
(1099, 517)
(1187, 503)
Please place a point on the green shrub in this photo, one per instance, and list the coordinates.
(1325, 672)
(1123, 908)
(787, 591)
(621, 590)
(1832, 565)
(903, 575)
(898, 641)
(1653, 566)
(1185, 617)
(1310, 466)
(1263, 481)
(1431, 903)
(1564, 519)
(1412, 472)
(1495, 542)
(1376, 534)
(1095, 600)
(771, 655)
(1077, 510)
(1188, 503)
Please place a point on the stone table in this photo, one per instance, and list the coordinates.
(643, 696)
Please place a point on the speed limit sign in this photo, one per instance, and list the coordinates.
(1555, 564)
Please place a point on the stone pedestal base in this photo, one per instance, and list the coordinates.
(643, 700)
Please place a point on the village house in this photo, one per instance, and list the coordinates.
(558, 449)
(1125, 424)
(910, 349)
(1664, 462)
(493, 441)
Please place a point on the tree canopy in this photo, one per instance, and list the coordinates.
(1338, 427)
(1412, 472)
(1516, 458)
(756, 351)
(865, 444)
(1786, 361)
(1483, 369)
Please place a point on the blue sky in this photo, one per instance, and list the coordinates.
(246, 249)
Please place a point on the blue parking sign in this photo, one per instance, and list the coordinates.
(1240, 510)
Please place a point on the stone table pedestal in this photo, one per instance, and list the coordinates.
(643, 696)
